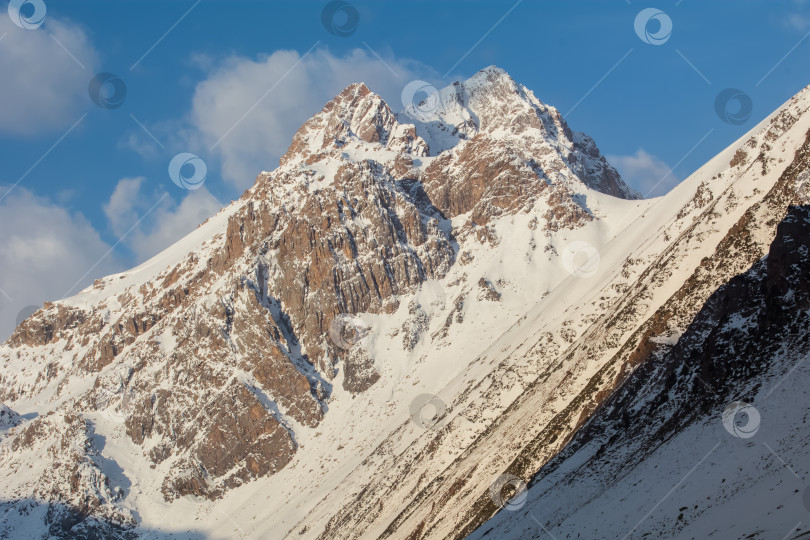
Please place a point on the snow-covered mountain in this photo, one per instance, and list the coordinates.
(411, 306)
(707, 438)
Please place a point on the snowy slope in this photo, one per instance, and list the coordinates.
(706, 441)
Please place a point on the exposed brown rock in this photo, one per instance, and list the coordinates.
(359, 373)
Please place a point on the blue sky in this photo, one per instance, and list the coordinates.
(93, 194)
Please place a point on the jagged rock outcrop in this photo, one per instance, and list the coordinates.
(8, 418)
(356, 113)
(492, 107)
(53, 458)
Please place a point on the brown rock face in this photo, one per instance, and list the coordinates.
(244, 441)
(46, 328)
(493, 105)
(487, 178)
(358, 371)
(352, 249)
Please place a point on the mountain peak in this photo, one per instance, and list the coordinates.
(356, 115)
(501, 115)
(351, 93)
(492, 68)
(487, 77)
(492, 105)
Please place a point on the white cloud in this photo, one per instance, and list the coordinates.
(44, 251)
(798, 21)
(296, 88)
(42, 88)
(121, 208)
(148, 223)
(143, 145)
(645, 173)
